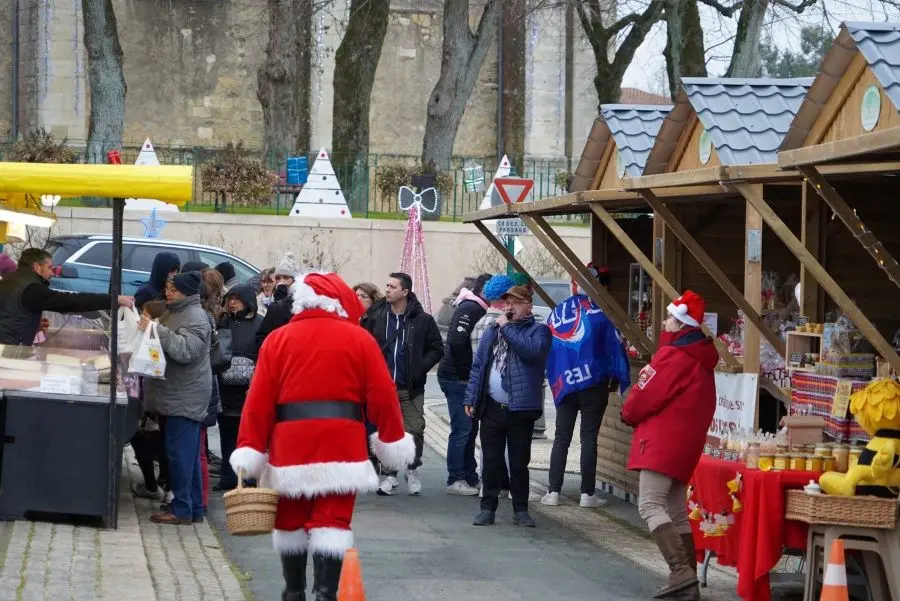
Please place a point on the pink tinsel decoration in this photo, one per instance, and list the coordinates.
(413, 260)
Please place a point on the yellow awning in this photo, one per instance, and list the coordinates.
(166, 183)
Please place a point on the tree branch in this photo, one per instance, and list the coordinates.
(639, 30)
(797, 8)
(587, 24)
(725, 11)
(614, 29)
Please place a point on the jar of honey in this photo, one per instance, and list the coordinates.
(751, 457)
(822, 450)
(814, 463)
(853, 457)
(766, 461)
(828, 464)
(781, 461)
(841, 455)
(798, 462)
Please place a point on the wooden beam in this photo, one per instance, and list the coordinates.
(693, 177)
(880, 141)
(752, 288)
(604, 163)
(836, 99)
(659, 279)
(812, 229)
(840, 297)
(864, 235)
(512, 261)
(491, 213)
(707, 262)
(657, 308)
(599, 243)
(570, 261)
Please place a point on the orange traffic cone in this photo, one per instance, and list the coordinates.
(834, 581)
(351, 584)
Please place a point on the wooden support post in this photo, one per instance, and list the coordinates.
(752, 283)
(570, 261)
(661, 211)
(815, 268)
(512, 260)
(599, 243)
(866, 238)
(812, 231)
(657, 307)
(669, 291)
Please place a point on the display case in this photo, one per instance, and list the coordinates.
(59, 455)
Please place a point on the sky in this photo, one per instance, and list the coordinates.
(647, 70)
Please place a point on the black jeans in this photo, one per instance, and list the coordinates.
(591, 402)
(502, 429)
(148, 448)
(228, 433)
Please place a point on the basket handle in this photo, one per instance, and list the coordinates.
(240, 478)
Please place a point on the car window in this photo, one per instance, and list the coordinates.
(142, 256)
(558, 291)
(243, 272)
(99, 254)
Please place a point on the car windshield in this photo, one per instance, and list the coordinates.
(559, 291)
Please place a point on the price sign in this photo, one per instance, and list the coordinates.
(511, 227)
(60, 385)
(842, 398)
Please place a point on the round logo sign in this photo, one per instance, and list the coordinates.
(620, 165)
(870, 107)
(705, 147)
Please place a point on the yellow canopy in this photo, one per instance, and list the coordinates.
(168, 184)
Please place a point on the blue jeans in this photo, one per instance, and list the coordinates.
(182, 442)
(461, 443)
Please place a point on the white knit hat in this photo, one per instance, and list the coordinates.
(287, 266)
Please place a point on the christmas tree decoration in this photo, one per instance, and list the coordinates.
(413, 261)
(147, 157)
(321, 196)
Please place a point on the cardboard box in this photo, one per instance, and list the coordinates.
(803, 429)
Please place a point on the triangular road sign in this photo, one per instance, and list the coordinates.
(513, 189)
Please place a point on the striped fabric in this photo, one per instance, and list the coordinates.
(813, 394)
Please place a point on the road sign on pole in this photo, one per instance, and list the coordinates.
(513, 189)
(511, 226)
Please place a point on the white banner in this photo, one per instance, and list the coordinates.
(736, 396)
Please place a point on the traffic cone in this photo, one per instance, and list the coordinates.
(351, 584)
(834, 580)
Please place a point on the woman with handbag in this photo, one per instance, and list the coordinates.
(242, 320)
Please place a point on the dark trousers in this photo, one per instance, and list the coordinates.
(461, 463)
(183, 440)
(502, 429)
(592, 405)
(148, 449)
(228, 433)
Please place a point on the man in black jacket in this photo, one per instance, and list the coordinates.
(453, 376)
(411, 343)
(25, 294)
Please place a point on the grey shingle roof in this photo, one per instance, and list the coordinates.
(634, 128)
(879, 43)
(746, 119)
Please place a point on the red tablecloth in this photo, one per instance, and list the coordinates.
(754, 542)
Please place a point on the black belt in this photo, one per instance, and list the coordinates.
(318, 410)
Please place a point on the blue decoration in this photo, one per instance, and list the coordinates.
(297, 171)
(497, 286)
(153, 225)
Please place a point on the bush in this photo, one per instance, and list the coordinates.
(241, 179)
(38, 146)
(392, 177)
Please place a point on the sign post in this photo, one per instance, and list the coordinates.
(512, 190)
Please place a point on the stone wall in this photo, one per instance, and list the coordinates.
(191, 69)
(359, 249)
(5, 68)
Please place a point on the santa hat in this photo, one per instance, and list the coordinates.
(287, 266)
(327, 292)
(688, 309)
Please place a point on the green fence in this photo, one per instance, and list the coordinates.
(360, 182)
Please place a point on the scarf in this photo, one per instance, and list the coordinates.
(501, 352)
(466, 294)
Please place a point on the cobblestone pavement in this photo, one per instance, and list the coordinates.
(140, 561)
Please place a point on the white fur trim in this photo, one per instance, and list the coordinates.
(319, 479)
(331, 542)
(306, 298)
(248, 459)
(394, 455)
(680, 312)
(290, 542)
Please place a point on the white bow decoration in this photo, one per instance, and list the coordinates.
(426, 200)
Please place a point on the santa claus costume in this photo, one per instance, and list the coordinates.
(302, 430)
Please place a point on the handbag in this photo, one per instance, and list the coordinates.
(239, 373)
(220, 349)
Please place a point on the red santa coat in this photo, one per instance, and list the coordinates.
(672, 404)
(321, 355)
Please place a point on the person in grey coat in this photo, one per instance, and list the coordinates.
(182, 398)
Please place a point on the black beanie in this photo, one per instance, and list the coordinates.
(193, 266)
(227, 271)
(188, 283)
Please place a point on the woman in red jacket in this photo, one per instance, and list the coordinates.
(671, 408)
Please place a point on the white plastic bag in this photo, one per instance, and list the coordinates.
(128, 329)
(148, 359)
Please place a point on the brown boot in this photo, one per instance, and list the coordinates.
(688, 541)
(691, 593)
(681, 576)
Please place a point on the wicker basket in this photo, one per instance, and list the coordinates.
(250, 511)
(856, 512)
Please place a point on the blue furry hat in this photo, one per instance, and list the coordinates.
(496, 286)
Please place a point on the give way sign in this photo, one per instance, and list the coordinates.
(513, 189)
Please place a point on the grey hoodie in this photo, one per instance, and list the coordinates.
(185, 330)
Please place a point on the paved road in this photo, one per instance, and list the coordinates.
(425, 549)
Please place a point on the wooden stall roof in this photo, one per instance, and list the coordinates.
(864, 59)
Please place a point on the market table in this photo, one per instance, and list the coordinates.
(758, 533)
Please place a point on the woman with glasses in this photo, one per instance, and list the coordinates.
(367, 293)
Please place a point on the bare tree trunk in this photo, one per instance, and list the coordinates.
(462, 58)
(684, 52)
(513, 18)
(745, 59)
(354, 75)
(283, 81)
(107, 80)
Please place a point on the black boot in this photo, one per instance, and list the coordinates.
(293, 568)
(326, 576)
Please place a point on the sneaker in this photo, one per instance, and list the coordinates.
(591, 501)
(170, 496)
(522, 518)
(485, 517)
(462, 488)
(413, 482)
(139, 490)
(388, 486)
(551, 499)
